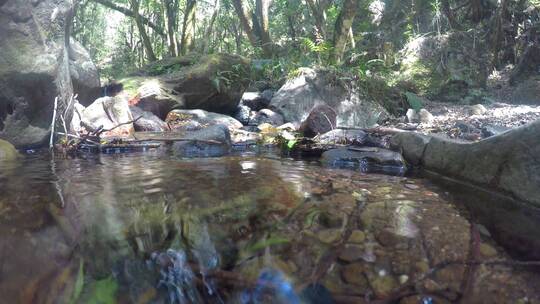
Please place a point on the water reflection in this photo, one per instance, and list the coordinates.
(147, 228)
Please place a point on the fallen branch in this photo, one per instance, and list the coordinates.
(101, 130)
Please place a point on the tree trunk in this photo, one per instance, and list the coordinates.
(342, 28)
(188, 29)
(449, 13)
(243, 14)
(262, 7)
(170, 8)
(208, 32)
(318, 13)
(135, 4)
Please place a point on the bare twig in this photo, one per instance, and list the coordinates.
(53, 123)
(119, 125)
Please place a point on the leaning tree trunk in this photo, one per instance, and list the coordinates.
(135, 4)
(243, 14)
(188, 30)
(342, 28)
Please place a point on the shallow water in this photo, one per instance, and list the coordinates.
(149, 228)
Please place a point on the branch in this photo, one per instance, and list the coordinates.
(119, 125)
(129, 13)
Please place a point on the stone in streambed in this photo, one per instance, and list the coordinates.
(352, 253)
(343, 136)
(366, 159)
(357, 236)
(212, 141)
(321, 119)
(329, 236)
(197, 119)
(267, 116)
(354, 274)
(383, 285)
(7, 151)
(148, 121)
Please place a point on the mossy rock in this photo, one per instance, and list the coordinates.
(7, 151)
(213, 83)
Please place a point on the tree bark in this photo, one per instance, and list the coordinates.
(170, 8)
(342, 28)
(130, 13)
(188, 29)
(208, 32)
(262, 7)
(135, 4)
(320, 18)
(449, 13)
(243, 14)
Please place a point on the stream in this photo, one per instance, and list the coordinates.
(151, 228)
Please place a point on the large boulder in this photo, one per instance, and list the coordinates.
(198, 119)
(298, 96)
(446, 67)
(213, 83)
(34, 68)
(321, 119)
(84, 74)
(212, 141)
(109, 113)
(506, 162)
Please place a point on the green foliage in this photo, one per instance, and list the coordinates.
(414, 101)
(103, 292)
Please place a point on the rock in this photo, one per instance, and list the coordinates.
(354, 274)
(319, 87)
(383, 285)
(357, 236)
(148, 122)
(412, 116)
(391, 238)
(329, 236)
(109, 112)
(425, 117)
(343, 136)
(84, 74)
(367, 159)
(411, 144)
(257, 101)
(492, 130)
(243, 114)
(267, 116)
(213, 83)
(487, 250)
(7, 151)
(34, 68)
(477, 109)
(197, 119)
(321, 119)
(352, 253)
(212, 141)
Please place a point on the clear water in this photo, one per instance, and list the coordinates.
(150, 228)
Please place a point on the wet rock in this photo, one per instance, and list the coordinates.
(108, 112)
(212, 141)
(332, 280)
(321, 119)
(383, 285)
(352, 253)
(411, 144)
(343, 136)
(257, 101)
(357, 236)
(354, 274)
(412, 116)
(329, 236)
(477, 109)
(243, 114)
(391, 238)
(319, 87)
(267, 116)
(366, 159)
(34, 68)
(7, 151)
(148, 122)
(196, 119)
(492, 130)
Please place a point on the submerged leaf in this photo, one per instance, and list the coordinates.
(271, 241)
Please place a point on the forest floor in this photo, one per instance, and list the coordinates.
(471, 123)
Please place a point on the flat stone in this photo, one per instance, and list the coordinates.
(357, 236)
(329, 236)
(354, 274)
(383, 285)
(352, 253)
(487, 250)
